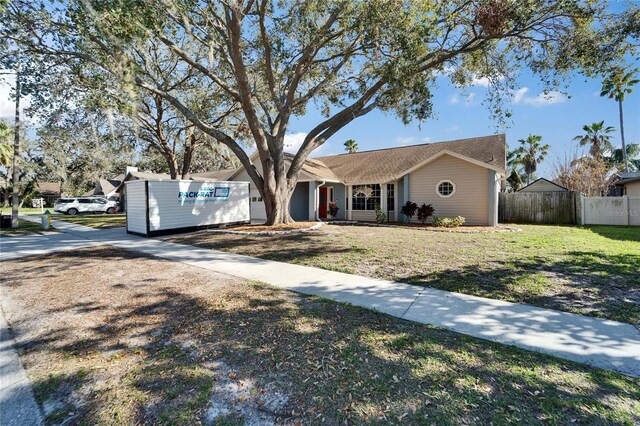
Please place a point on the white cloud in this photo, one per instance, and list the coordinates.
(453, 128)
(454, 99)
(518, 95)
(293, 142)
(405, 140)
(411, 140)
(8, 105)
(482, 81)
(469, 99)
(550, 98)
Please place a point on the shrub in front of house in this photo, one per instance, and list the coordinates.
(424, 212)
(409, 210)
(380, 216)
(333, 209)
(448, 222)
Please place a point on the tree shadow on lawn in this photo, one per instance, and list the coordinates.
(620, 233)
(582, 282)
(151, 359)
(283, 248)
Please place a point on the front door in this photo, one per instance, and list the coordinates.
(322, 204)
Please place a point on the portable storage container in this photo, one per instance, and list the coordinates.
(160, 207)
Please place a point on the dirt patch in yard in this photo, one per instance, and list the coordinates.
(112, 337)
(274, 228)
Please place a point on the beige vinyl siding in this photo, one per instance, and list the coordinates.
(364, 215)
(470, 199)
(542, 186)
(632, 188)
(243, 176)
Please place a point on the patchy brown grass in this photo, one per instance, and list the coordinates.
(113, 337)
(100, 221)
(25, 227)
(272, 228)
(589, 271)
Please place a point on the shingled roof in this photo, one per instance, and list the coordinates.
(384, 165)
(312, 169)
(222, 174)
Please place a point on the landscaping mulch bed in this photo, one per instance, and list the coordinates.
(427, 227)
(281, 229)
(112, 337)
(273, 228)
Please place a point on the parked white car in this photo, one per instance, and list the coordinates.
(75, 205)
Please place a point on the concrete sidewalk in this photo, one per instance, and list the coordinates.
(602, 343)
(17, 405)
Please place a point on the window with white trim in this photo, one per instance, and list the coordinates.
(365, 197)
(391, 197)
(446, 188)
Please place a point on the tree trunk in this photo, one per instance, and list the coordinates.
(624, 146)
(188, 155)
(172, 163)
(276, 200)
(15, 201)
(173, 167)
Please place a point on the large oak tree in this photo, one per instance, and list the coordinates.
(275, 59)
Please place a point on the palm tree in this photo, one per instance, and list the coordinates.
(598, 137)
(351, 146)
(531, 153)
(632, 157)
(517, 176)
(616, 86)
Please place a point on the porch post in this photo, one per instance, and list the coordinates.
(313, 201)
(383, 197)
(492, 213)
(349, 201)
(405, 191)
(396, 208)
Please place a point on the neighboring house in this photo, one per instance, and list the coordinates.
(50, 191)
(459, 178)
(106, 187)
(223, 174)
(543, 185)
(630, 183)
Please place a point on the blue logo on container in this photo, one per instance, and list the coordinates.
(205, 194)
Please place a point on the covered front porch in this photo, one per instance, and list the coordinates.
(354, 201)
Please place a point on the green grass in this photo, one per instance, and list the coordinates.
(586, 270)
(25, 227)
(101, 221)
(26, 210)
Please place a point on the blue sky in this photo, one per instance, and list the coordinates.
(461, 114)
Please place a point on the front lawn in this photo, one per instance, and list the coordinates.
(101, 221)
(590, 271)
(113, 337)
(25, 227)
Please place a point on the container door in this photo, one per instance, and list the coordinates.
(258, 211)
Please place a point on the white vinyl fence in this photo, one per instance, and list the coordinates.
(623, 210)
